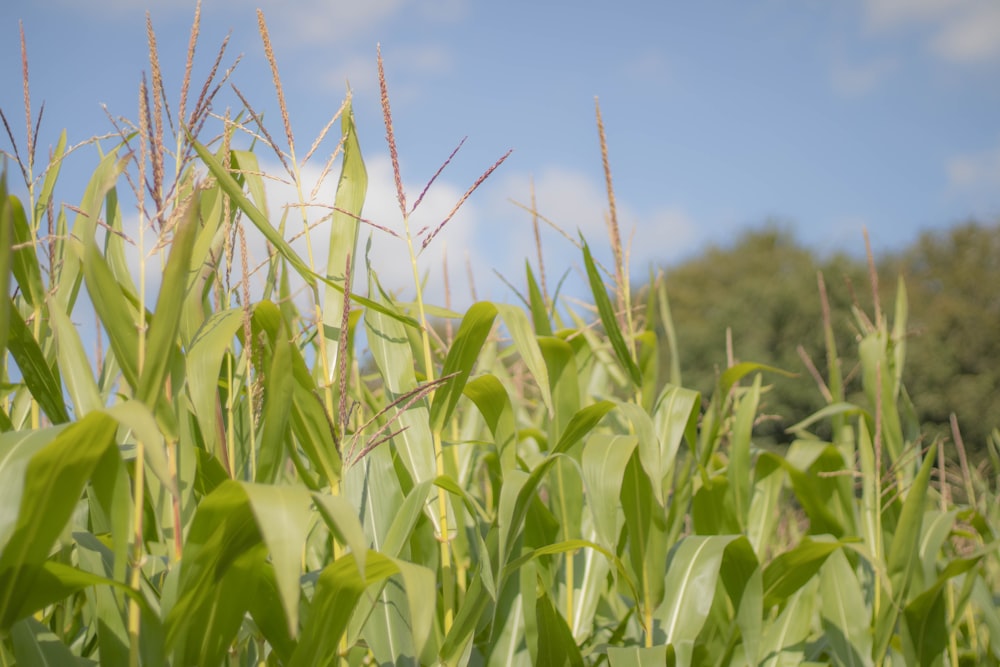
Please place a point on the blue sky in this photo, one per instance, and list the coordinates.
(827, 116)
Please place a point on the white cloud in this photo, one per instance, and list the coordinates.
(975, 171)
(962, 31)
(972, 36)
(410, 63)
(577, 203)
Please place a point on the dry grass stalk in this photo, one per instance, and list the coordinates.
(538, 241)
(873, 278)
(327, 167)
(815, 374)
(189, 62)
(144, 147)
(469, 276)
(479, 181)
(326, 128)
(436, 174)
(943, 486)
(448, 329)
(267, 135)
(269, 54)
(205, 97)
(401, 404)
(535, 214)
(877, 440)
(155, 129)
(612, 219)
(228, 224)
(963, 461)
(390, 135)
(27, 96)
(342, 343)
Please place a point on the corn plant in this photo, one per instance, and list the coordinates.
(280, 466)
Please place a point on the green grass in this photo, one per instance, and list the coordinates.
(227, 480)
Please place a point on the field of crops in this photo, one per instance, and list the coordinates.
(286, 465)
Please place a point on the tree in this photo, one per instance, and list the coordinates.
(764, 289)
(953, 280)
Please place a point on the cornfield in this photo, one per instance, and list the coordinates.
(285, 464)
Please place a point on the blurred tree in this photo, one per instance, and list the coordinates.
(764, 288)
(953, 355)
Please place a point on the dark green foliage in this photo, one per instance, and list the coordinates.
(764, 288)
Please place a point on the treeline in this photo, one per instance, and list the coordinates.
(764, 289)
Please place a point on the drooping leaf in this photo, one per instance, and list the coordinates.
(53, 482)
(792, 569)
(35, 371)
(462, 355)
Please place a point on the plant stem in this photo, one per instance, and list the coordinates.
(447, 576)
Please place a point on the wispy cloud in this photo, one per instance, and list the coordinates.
(975, 171)
(961, 31)
(856, 79)
(577, 203)
(648, 65)
(411, 63)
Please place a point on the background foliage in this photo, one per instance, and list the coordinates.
(763, 288)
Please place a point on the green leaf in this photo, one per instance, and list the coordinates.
(675, 415)
(338, 591)
(161, 340)
(6, 256)
(53, 482)
(604, 459)
(284, 519)
(25, 267)
(581, 424)
(690, 586)
(904, 555)
(490, 396)
(608, 319)
(564, 382)
(462, 356)
(37, 646)
(342, 518)
(278, 392)
(527, 346)
(223, 530)
(749, 616)
(391, 351)
(114, 310)
(202, 363)
(539, 311)
(635, 656)
(351, 190)
(783, 640)
(35, 371)
(845, 619)
(85, 229)
(555, 641)
(74, 364)
(739, 472)
(792, 569)
(646, 526)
